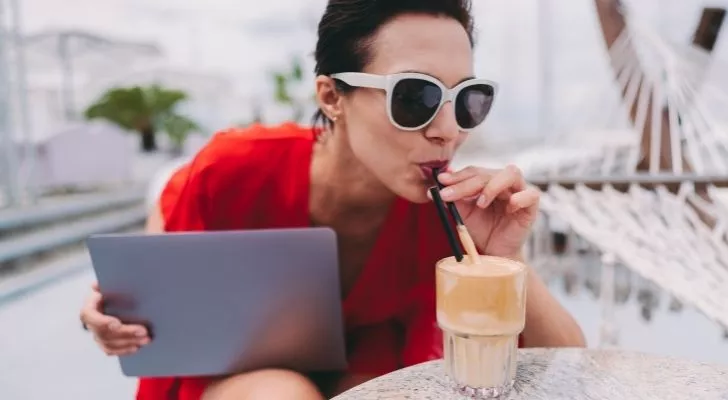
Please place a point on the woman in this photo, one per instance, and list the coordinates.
(365, 174)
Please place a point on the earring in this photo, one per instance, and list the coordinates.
(334, 118)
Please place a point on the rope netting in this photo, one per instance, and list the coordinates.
(675, 238)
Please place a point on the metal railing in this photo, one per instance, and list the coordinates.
(51, 211)
(53, 225)
(623, 182)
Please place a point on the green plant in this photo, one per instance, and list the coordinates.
(144, 110)
(282, 82)
(178, 128)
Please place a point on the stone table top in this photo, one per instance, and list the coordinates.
(582, 374)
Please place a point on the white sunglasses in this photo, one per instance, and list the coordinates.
(414, 99)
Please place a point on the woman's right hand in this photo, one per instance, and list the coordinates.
(114, 338)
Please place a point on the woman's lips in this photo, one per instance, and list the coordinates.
(428, 168)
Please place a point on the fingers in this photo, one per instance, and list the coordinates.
(482, 184)
(137, 333)
(127, 340)
(525, 200)
(114, 337)
(121, 345)
(117, 348)
(468, 188)
(114, 331)
(467, 198)
(452, 177)
(92, 317)
(502, 184)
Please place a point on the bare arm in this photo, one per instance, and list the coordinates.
(548, 323)
(155, 221)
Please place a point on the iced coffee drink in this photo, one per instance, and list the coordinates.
(481, 311)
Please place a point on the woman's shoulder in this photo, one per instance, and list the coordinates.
(235, 166)
(259, 132)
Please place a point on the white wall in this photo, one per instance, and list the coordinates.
(84, 154)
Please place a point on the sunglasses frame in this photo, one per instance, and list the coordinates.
(388, 82)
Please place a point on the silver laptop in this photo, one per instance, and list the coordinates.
(225, 302)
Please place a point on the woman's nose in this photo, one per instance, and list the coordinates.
(444, 127)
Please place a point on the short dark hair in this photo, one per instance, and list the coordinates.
(347, 29)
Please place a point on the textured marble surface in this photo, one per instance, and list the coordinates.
(582, 374)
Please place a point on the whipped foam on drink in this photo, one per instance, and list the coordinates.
(481, 299)
(489, 266)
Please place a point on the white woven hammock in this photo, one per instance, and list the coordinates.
(655, 233)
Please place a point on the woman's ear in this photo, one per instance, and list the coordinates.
(327, 97)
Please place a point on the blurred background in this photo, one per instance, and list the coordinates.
(101, 99)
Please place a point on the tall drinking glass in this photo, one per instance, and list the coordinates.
(481, 309)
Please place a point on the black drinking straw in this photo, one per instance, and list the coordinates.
(450, 206)
(454, 244)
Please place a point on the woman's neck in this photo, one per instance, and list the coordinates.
(344, 194)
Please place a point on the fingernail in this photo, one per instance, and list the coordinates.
(144, 342)
(481, 201)
(114, 326)
(444, 175)
(140, 333)
(447, 193)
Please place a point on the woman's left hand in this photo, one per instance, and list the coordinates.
(497, 206)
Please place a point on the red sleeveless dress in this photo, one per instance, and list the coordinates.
(258, 177)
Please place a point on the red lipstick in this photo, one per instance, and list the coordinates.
(428, 167)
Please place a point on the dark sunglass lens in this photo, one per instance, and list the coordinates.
(414, 101)
(473, 105)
